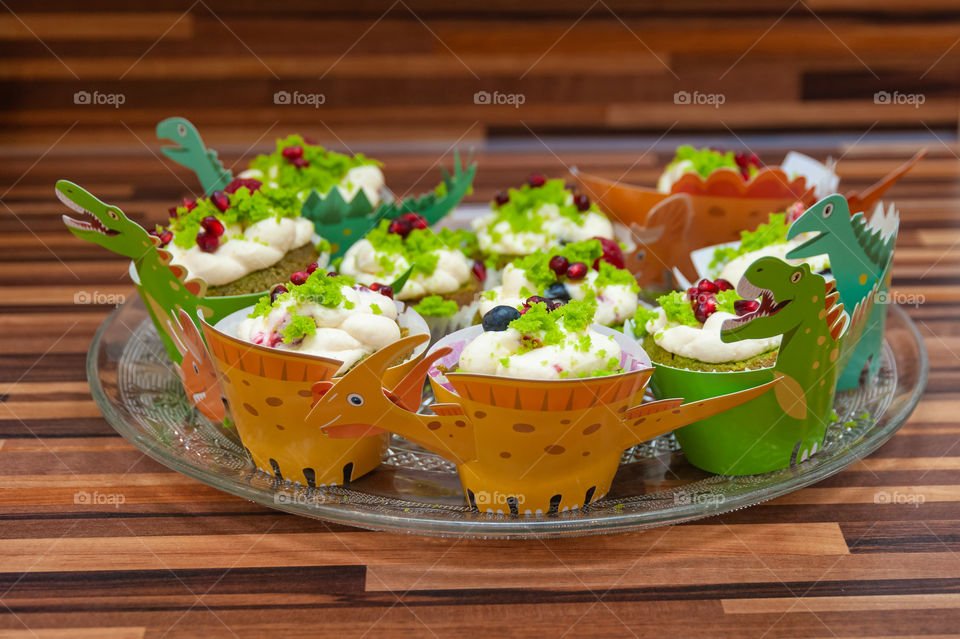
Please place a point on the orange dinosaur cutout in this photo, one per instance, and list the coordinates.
(196, 369)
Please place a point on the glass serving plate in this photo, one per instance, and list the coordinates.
(415, 491)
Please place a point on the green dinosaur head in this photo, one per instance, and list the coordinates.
(101, 223)
(829, 218)
(184, 134)
(789, 295)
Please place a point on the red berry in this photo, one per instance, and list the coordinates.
(535, 299)
(190, 204)
(383, 289)
(207, 242)
(292, 152)
(166, 237)
(212, 225)
(577, 271)
(559, 264)
(299, 277)
(479, 270)
(332, 273)
(300, 163)
(612, 253)
(277, 291)
(401, 227)
(705, 309)
(238, 183)
(536, 180)
(692, 293)
(553, 305)
(706, 286)
(501, 198)
(581, 201)
(220, 200)
(312, 267)
(172, 211)
(416, 221)
(723, 285)
(742, 307)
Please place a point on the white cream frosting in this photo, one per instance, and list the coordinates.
(487, 353)
(363, 263)
(735, 268)
(367, 177)
(704, 344)
(672, 174)
(345, 334)
(243, 251)
(557, 229)
(615, 302)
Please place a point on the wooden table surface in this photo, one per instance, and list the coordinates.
(178, 558)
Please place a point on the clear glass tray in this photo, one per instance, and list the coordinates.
(415, 491)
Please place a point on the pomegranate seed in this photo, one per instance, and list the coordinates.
(312, 267)
(383, 289)
(416, 221)
(212, 225)
(501, 198)
(207, 242)
(166, 237)
(277, 291)
(238, 183)
(612, 253)
(553, 305)
(581, 201)
(723, 285)
(577, 271)
(332, 273)
(705, 309)
(559, 264)
(479, 270)
(300, 163)
(692, 293)
(220, 200)
(401, 227)
(706, 286)
(299, 277)
(536, 180)
(190, 204)
(172, 211)
(742, 307)
(535, 299)
(292, 152)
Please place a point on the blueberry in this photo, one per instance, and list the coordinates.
(498, 317)
(557, 291)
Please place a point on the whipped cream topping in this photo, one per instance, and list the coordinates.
(673, 173)
(368, 178)
(557, 229)
(345, 334)
(496, 353)
(704, 343)
(615, 302)
(367, 265)
(243, 251)
(733, 270)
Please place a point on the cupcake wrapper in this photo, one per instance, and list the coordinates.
(440, 327)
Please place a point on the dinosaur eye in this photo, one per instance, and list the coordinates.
(196, 369)
(796, 276)
(827, 210)
(113, 215)
(182, 130)
(354, 399)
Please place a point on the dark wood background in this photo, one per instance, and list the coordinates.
(181, 559)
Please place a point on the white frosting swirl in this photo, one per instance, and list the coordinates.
(733, 270)
(367, 265)
(704, 343)
(673, 173)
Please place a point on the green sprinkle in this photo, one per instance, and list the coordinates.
(774, 232)
(375, 309)
(327, 168)
(299, 327)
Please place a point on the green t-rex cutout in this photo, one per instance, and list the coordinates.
(860, 259)
(191, 153)
(162, 285)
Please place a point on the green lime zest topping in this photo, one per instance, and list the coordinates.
(705, 161)
(375, 309)
(774, 232)
(326, 170)
(725, 300)
(521, 212)
(436, 306)
(550, 327)
(610, 275)
(420, 246)
(640, 319)
(318, 289)
(246, 208)
(299, 327)
(537, 265)
(677, 308)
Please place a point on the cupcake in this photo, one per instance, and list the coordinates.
(302, 166)
(538, 216)
(578, 271)
(439, 274)
(703, 162)
(243, 239)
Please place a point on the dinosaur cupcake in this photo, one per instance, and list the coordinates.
(592, 270)
(540, 215)
(243, 239)
(439, 274)
(703, 162)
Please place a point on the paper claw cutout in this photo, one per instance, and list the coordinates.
(661, 244)
(867, 198)
(196, 369)
(343, 223)
(860, 255)
(191, 153)
(162, 285)
(535, 446)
